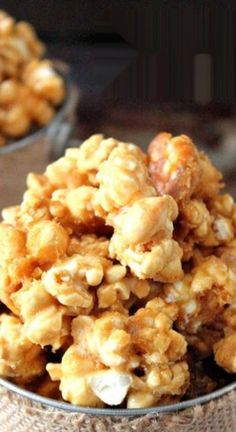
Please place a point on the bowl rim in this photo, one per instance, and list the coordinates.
(117, 412)
(72, 92)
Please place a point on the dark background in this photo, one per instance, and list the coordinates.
(138, 51)
(146, 66)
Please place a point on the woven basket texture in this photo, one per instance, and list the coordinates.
(20, 414)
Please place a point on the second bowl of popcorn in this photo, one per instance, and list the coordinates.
(37, 105)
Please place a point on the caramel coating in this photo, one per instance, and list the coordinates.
(45, 320)
(20, 360)
(89, 244)
(202, 293)
(30, 88)
(122, 273)
(178, 169)
(47, 241)
(123, 178)
(43, 80)
(70, 279)
(110, 348)
(225, 348)
(148, 249)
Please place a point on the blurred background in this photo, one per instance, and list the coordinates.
(147, 66)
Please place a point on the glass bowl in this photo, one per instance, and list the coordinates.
(33, 152)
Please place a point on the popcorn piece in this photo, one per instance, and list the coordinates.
(91, 154)
(47, 241)
(6, 23)
(178, 169)
(45, 321)
(174, 165)
(39, 185)
(123, 178)
(104, 338)
(12, 275)
(14, 53)
(202, 293)
(26, 32)
(20, 359)
(196, 221)
(42, 79)
(109, 293)
(75, 373)
(207, 224)
(89, 244)
(12, 243)
(222, 208)
(164, 380)
(69, 281)
(152, 334)
(16, 96)
(75, 205)
(209, 176)
(63, 173)
(111, 387)
(148, 249)
(225, 348)
(225, 353)
(14, 121)
(10, 215)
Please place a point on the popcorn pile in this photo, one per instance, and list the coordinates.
(30, 88)
(117, 273)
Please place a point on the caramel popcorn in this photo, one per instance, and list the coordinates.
(225, 348)
(202, 293)
(91, 154)
(177, 168)
(164, 380)
(30, 88)
(206, 225)
(148, 249)
(69, 281)
(120, 287)
(42, 79)
(119, 345)
(89, 244)
(174, 165)
(20, 359)
(45, 320)
(74, 374)
(47, 241)
(117, 270)
(123, 178)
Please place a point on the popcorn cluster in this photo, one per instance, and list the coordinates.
(116, 266)
(30, 88)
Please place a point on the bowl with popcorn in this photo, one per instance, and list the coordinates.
(37, 104)
(118, 290)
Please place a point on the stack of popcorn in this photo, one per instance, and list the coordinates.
(30, 88)
(118, 275)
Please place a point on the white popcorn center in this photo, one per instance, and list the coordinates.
(111, 387)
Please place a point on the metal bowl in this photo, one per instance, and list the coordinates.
(23, 411)
(64, 406)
